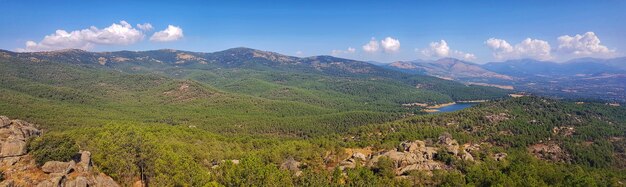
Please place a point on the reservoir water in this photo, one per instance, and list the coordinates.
(454, 107)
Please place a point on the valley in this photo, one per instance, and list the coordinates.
(282, 93)
(248, 117)
(583, 79)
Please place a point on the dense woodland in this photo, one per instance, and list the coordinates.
(176, 126)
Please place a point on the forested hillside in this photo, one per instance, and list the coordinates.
(263, 119)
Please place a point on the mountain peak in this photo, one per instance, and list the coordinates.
(65, 51)
(240, 50)
(249, 53)
(449, 59)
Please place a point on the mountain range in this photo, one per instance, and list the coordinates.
(578, 78)
(246, 117)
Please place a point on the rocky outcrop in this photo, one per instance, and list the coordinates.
(496, 118)
(413, 155)
(353, 160)
(292, 165)
(13, 136)
(451, 145)
(19, 168)
(564, 131)
(499, 156)
(76, 173)
(549, 151)
(57, 167)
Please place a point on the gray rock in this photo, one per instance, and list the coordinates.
(13, 147)
(467, 156)
(4, 121)
(85, 161)
(415, 146)
(451, 145)
(499, 156)
(349, 163)
(55, 181)
(46, 183)
(400, 159)
(79, 181)
(58, 167)
(7, 183)
(105, 181)
(9, 161)
(291, 165)
(13, 136)
(58, 180)
(358, 155)
(424, 166)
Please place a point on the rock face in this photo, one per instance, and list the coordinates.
(451, 145)
(292, 165)
(13, 136)
(496, 118)
(19, 168)
(414, 155)
(58, 167)
(549, 151)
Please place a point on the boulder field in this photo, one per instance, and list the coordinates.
(19, 168)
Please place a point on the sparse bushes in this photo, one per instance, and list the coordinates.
(53, 147)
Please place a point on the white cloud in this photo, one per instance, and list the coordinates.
(587, 44)
(299, 53)
(528, 48)
(437, 49)
(145, 26)
(171, 33)
(390, 45)
(463, 55)
(351, 50)
(441, 49)
(116, 34)
(372, 46)
(336, 52)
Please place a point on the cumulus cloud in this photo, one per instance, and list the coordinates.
(145, 26)
(463, 55)
(390, 45)
(116, 34)
(528, 48)
(371, 46)
(587, 44)
(437, 49)
(350, 50)
(171, 33)
(441, 49)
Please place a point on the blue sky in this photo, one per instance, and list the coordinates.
(319, 27)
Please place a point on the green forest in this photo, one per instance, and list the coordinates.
(261, 124)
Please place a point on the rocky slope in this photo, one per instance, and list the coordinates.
(19, 168)
(416, 155)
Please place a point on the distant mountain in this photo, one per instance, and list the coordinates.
(447, 68)
(272, 75)
(613, 62)
(231, 58)
(530, 67)
(577, 78)
(377, 63)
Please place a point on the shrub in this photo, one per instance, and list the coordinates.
(53, 147)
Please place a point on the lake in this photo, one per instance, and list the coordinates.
(454, 107)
